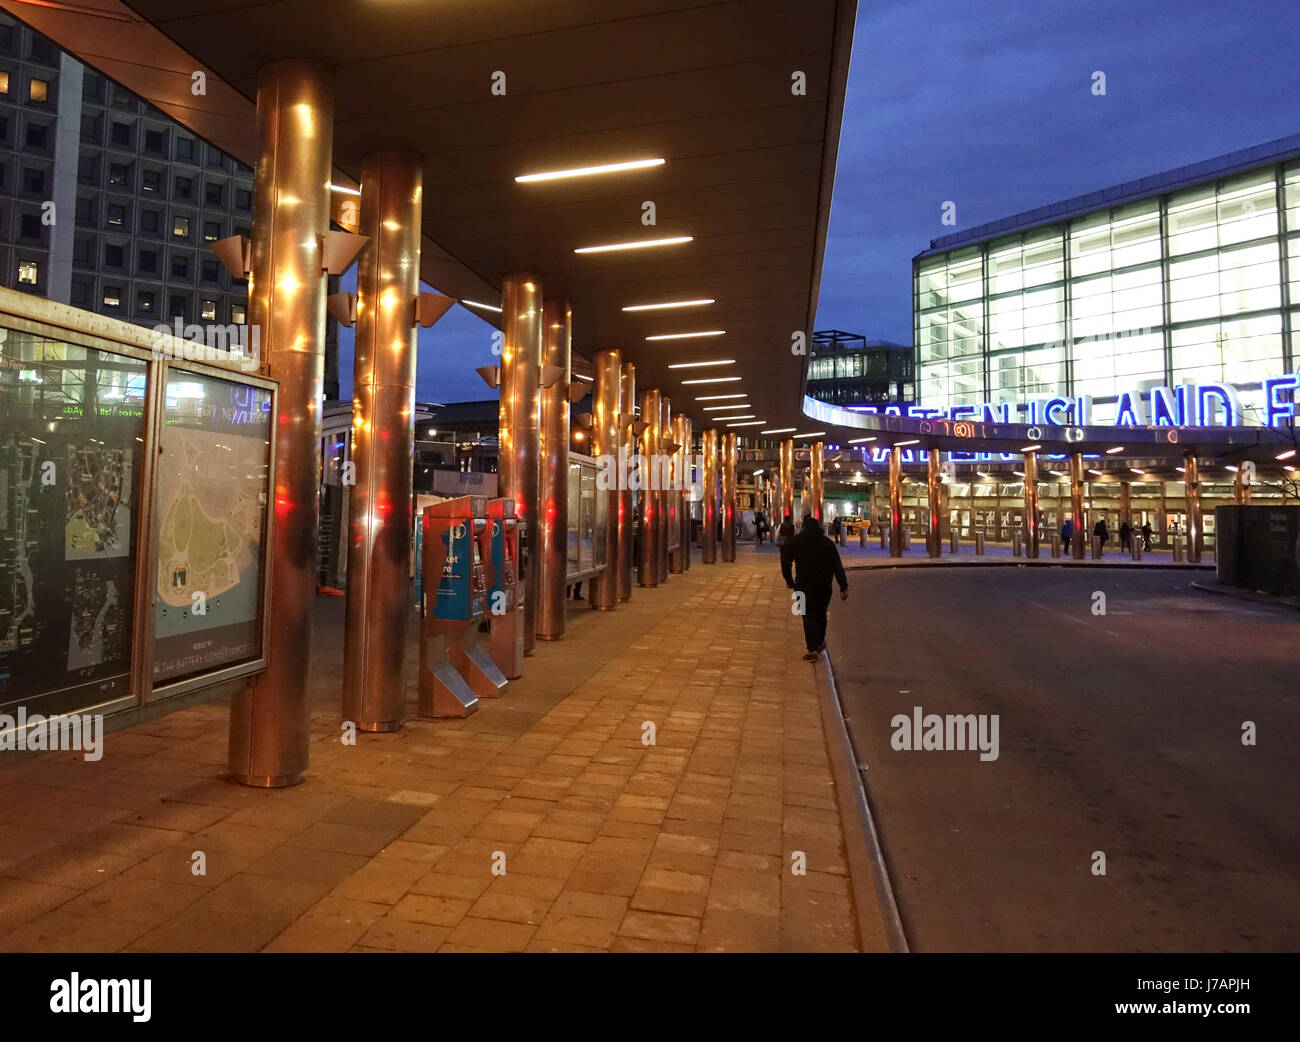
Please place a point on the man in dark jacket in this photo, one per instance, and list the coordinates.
(816, 562)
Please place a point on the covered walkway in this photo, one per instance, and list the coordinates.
(599, 842)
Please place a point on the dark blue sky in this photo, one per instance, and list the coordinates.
(989, 104)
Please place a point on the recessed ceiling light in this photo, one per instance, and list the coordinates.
(1091, 471)
(671, 304)
(1230, 467)
(778, 430)
(639, 244)
(701, 365)
(584, 171)
(344, 190)
(1031, 448)
(719, 397)
(914, 441)
(1117, 448)
(811, 434)
(752, 423)
(740, 416)
(484, 307)
(859, 441)
(1285, 455)
(714, 380)
(726, 408)
(687, 336)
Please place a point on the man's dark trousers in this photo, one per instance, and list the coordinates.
(816, 601)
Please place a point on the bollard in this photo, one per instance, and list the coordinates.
(1178, 547)
(979, 542)
(841, 537)
(954, 540)
(1096, 547)
(884, 537)
(1137, 548)
(907, 539)
(862, 537)
(1056, 546)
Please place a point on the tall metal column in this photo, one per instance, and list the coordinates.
(1240, 488)
(1125, 504)
(895, 502)
(383, 433)
(685, 501)
(269, 719)
(663, 497)
(729, 496)
(626, 450)
(1079, 544)
(1030, 519)
(647, 569)
(709, 511)
(817, 490)
(934, 487)
(605, 443)
(519, 440)
(787, 479)
(1192, 485)
(677, 496)
(553, 516)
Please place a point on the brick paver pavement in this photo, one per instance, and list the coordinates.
(542, 823)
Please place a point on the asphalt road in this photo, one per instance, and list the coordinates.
(1119, 733)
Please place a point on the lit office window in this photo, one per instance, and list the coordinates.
(38, 90)
(4, 83)
(28, 272)
(237, 314)
(112, 297)
(209, 310)
(181, 227)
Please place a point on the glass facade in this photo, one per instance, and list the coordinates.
(1198, 285)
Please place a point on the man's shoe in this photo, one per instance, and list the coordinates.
(811, 656)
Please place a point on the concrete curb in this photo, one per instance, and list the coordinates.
(880, 927)
(1249, 596)
(1029, 562)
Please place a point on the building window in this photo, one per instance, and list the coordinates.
(34, 181)
(38, 135)
(88, 169)
(151, 180)
(211, 231)
(112, 297)
(4, 83)
(41, 49)
(83, 250)
(85, 210)
(216, 157)
(181, 227)
(150, 221)
(122, 98)
(210, 271)
(237, 315)
(148, 262)
(178, 306)
(214, 193)
(119, 173)
(38, 90)
(185, 148)
(114, 256)
(243, 198)
(80, 293)
(154, 142)
(184, 188)
(180, 267)
(209, 309)
(28, 272)
(121, 134)
(89, 127)
(144, 302)
(116, 214)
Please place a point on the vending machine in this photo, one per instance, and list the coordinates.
(505, 593)
(465, 651)
(455, 593)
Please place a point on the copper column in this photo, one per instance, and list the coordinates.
(677, 495)
(626, 449)
(383, 432)
(269, 719)
(895, 502)
(817, 493)
(709, 509)
(605, 442)
(1192, 484)
(934, 488)
(647, 568)
(787, 479)
(1240, 487)
(690, 482)
(1082, 537)
(663, 497)
(729, 496)
(553, 481)
(1030, 519)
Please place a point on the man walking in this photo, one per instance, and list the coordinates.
(816, 562)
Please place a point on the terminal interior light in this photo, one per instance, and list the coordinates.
(482, 307)
(1031, 448)
(1097, 472)
(719, 397)
(1285, 455)
(752, 423)
(714, 380)
(692, 336)
(585, 171)
(701, 365)
(725, 408)
(1117, 448)
(914, 441)
(671, 304)
(639, 244)
(859, 441)
(778, 430)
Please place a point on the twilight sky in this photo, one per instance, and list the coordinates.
(989, 105)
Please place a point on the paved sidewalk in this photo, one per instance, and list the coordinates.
(856, 556)
(607, 844)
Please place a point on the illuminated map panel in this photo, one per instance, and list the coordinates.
(211, 503)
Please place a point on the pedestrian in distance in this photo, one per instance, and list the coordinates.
(786, 530)
(812, 557)
(1146, 535)
(760, 526)
(1125, 535)
(1101, 533)
(1067, 533)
